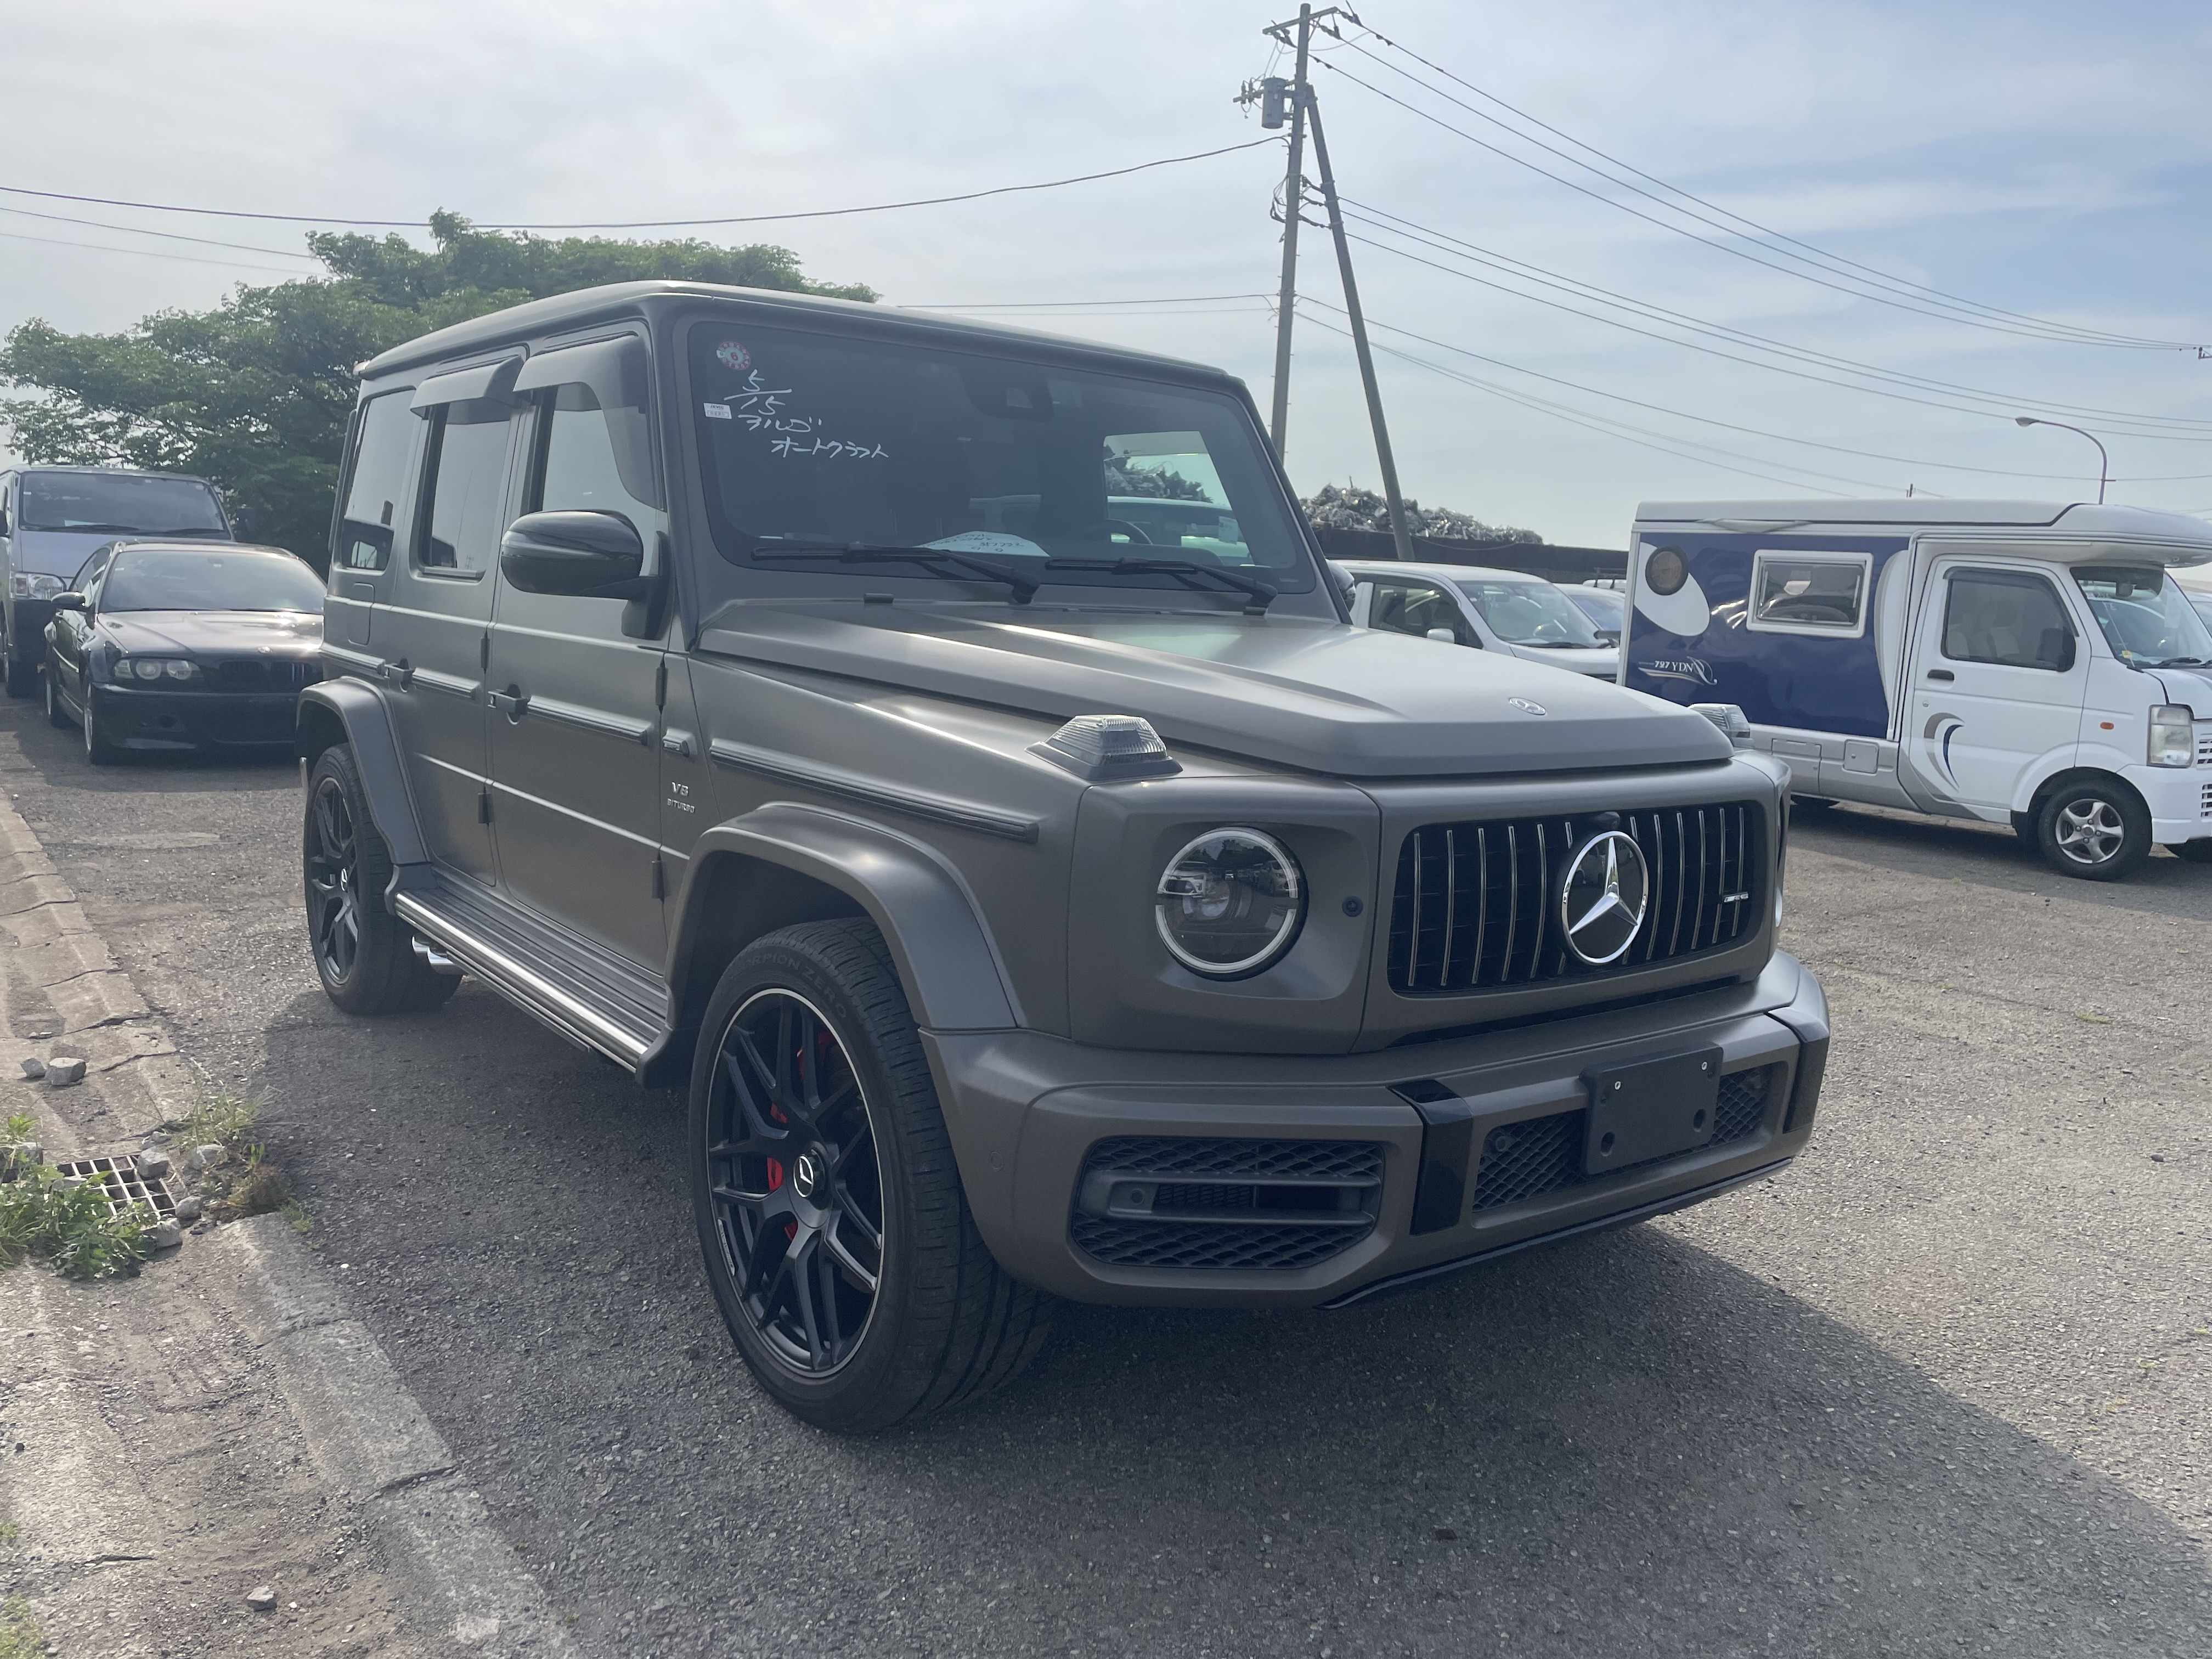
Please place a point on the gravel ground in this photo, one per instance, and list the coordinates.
(1943, 1388)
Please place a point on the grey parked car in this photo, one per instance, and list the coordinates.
(51, 521)
(770, 693)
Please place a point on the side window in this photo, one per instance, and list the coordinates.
(576, 468)
(2007, 617)
(87, 580)
(384, 444)
(1404, 607)
(1809, 593)
(465, 482)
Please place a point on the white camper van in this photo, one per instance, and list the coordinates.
(2008, 661)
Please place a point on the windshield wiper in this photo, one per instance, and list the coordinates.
(1263, 594)
(1024, 587)
(102, 529)
(2180, 662)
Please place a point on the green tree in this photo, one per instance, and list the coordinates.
(255, 393)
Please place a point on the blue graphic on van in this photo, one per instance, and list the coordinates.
(1937, 735)
(1798, 679)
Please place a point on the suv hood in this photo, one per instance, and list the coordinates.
(1317, 695)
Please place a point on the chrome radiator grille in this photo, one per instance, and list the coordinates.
(1478, 905)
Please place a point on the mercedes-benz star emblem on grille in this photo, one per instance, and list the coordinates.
(1604, 898)
(1527, 706)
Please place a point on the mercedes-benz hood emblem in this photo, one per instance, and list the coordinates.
(1604, 898)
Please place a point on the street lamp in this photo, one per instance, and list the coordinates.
(2104, 464)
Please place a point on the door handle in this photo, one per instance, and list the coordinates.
(1941, 674)
(511, 703)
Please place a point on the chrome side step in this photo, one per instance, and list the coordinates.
(569, 1015)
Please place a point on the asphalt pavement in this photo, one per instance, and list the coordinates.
(1945, 1387)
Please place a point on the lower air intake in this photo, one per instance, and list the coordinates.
(1190, 1202)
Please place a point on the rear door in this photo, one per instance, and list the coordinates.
(576, 729)
(1999, 679)
(429, 628)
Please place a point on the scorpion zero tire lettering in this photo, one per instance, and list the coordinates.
(837, 1238)
(363, 955)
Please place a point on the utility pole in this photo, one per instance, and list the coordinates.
(1401, 538)
(1270, 115)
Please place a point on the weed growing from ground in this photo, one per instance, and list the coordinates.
(222, 1120)
(69, 1223)
(20, 1635)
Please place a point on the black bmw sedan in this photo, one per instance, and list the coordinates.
(175, 644)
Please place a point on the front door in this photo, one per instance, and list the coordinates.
(1999, 678)
(576, 726)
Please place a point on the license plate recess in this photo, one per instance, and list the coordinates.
(1649, 1109)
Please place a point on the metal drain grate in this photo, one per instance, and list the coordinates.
(119, 1178)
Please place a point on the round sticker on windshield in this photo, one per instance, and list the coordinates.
(733, 356)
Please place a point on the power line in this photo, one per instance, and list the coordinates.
(2006, 402)
(166, 235)
(2092, 336)
(145, 253)
(643, 224)
(1753, 362)
(1787, 271)
(1606, 426)
(1730, 426)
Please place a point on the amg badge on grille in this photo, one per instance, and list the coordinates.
(1603, 897)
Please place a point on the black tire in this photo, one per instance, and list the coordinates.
(97, 749)
(1817, 803)
(943, 1323)
(364, 955)
(55, 714)
(23, 676)
(2196, 851)
(2095, 828)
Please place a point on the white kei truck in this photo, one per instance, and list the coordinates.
(2014, 662)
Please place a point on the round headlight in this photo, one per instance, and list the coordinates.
(1665, 571)
(146, 668)
(178, 670)
(1229, 903)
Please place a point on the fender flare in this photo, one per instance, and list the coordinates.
(367, 726)
(950, 968)
(2038, 776)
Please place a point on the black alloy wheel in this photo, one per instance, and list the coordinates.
(364, 956)
(333, 895)
(835, 1232)
(796, 1187)
(2096, 830)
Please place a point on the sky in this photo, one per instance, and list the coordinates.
(2041, 160)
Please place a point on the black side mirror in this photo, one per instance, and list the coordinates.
(4, 521)
(244, 519)
(595, 556)
(72, 602)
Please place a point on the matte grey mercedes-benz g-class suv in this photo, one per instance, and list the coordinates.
(779, 697)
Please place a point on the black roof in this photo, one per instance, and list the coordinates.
(618, 300)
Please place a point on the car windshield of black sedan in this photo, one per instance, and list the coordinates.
(125, 502)
(813, 443)
(209, 581)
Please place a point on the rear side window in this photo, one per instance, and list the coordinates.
(1809, 593)
(466, 480)
(382, 450)
(2007, 617)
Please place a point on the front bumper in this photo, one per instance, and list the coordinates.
(155, 719)
(1027, 1111)
(2179, 797)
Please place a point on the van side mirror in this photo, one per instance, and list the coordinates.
(244, 519)
(595, 556)
(1441, 636)
(4, 521)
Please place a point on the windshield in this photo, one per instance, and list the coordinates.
(1529, 612)
(1602, 606)
(810, 440)
(209, 581)
(2147, 620)
(126, 503)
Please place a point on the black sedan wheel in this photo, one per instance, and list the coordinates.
(836, 1235)
(364, 956)
(97, 749)
(55, 714)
